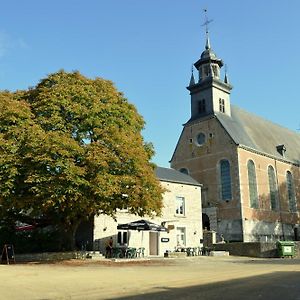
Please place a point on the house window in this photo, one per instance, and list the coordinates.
(222, 105)
(252, 184)
(225, 178)
(122, 237)
(291, 191)
(181, 237)
(180, 207)
(201, 106)
(273, 188)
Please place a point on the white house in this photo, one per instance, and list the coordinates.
(181, 215)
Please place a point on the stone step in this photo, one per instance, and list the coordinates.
(92, 255)
(219, 253)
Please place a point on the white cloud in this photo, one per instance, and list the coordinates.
(8, 43)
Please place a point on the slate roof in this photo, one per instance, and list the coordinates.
(171, 175)
(252, 131)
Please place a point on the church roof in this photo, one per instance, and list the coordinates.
(171, 175)
(249, 130)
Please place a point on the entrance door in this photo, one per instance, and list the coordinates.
(153, 243)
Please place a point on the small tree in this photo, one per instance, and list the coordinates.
(80, 153)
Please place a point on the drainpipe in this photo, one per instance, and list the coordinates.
(241, 198)
(279, 200)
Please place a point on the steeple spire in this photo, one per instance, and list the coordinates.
(207, 46)
(226, 80)
(192, 81)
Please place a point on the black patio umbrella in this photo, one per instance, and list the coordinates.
(141, 225)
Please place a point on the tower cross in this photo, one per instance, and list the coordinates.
(206, 21)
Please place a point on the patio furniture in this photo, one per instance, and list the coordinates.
(190, 251)
(140, 252)
(130, 253)
(141, 225)
(205, 250)
(117, 252)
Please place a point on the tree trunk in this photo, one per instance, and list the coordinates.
(68, 236)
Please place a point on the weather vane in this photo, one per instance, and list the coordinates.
(206, 21)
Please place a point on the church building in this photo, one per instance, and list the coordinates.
(249, 167)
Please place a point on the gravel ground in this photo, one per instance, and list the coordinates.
(107, 279)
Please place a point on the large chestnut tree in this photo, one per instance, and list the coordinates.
(71, 148)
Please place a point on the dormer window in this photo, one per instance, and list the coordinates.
(281, 150)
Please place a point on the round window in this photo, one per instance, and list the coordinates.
(200, 138)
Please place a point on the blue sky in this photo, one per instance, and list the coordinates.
(147, 48)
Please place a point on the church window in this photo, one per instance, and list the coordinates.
(201, 106)
(222, 105)
(290, 191)
(206, 71)
(201, 139)
(184, 171)
(225, 177)
(252, 184)
(273, 188)
(215, 70)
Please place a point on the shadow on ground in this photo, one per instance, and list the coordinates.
(270, 261)
(273, 286)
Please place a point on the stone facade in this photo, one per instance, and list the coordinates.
(188, 224)
(202, 163)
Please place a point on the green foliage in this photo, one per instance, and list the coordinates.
(34, 241)
(71, 148)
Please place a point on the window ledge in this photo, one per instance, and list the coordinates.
(180, 216)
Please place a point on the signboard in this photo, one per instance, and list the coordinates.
(8, 254)
(164, 240)
(287, 249)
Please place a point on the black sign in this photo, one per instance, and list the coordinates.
(164, 240)
(8, 254)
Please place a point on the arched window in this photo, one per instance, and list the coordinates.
(252, 184)
(184, 171)
(225, 179)
(273, 188)
(290, 191)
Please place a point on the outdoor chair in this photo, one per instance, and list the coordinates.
(205, 251)
(140, 252)
(130, 253)
(190, 251)
(117, 253)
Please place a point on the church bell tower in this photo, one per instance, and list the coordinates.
(209, 94)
